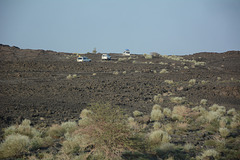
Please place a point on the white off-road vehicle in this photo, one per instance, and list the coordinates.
(106, 57)
(83, 59)
(126, 52)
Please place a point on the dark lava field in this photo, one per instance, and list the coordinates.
(49, 87)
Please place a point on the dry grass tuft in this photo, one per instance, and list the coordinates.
(232, 112)
(178, 100)
(156, 115)
(137, 113)
(182, 126)
(24, 129)
(14, 145)
(188, 146)
(156, 125)
(167, 112)
(166, 147)
(156, 107)
(147, 56)
(56, 131)
(85, 113)
(211, 153)
(181, 113)
(158, 99)
(169, 81)
(69, 126)
(224, 132)
(203, 102)
(192, 81)
(163, 71)
(84, 122)
(168, 128)
(223, 122)
(158, 137)
(115, 72)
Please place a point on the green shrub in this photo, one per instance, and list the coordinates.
(115, 72)
(85, 122)
(72, 145)
(232, 112)
(224, 132)
(56, 131)
(158, 98)
(85, 113)
(162, 63)
(69, 126)
(14, 145)
(156, 125)
(24, 129)
(234, 124)
(201, 110)
(158, 137)
(167, 112)
(156, 107)
(199, 63)
(122, 59)
(182, 126)
(69, 76)
(212, 115)
(176, 117)
(166, 147)
(72, 76)
(181, 112)
(188, 146)
(169, 81)
(203, 102)
(216, 107)
(212, 127)
(10, 130)
(163, 71)
(108, 133)
(156, 115)
(223, 122)
(39, 142)
(192, 81)
(211, 153)
(132, 124)
(204, 82)
(178, 100)
(137, 113)
(147, 56)
(130, 119)
(168, 128)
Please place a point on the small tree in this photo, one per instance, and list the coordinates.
(94, 51)
(108, 133)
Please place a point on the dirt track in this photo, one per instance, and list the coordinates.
(34, 83)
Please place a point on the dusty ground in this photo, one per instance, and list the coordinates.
(34, 83)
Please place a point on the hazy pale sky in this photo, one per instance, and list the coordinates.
(143, 26)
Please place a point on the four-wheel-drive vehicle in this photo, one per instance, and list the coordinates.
(106, 57)
(83, 59)
(126, 52)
